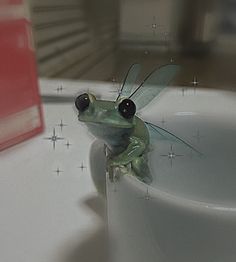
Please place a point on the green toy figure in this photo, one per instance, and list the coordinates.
(125, 135)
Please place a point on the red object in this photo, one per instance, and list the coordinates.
(20, 109)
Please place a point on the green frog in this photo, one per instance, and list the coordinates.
(125, 135)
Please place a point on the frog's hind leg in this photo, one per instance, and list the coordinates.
(141, 169)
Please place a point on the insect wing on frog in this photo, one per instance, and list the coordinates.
(150, 88)
(160, 133)
(129, 81)
(153, 84)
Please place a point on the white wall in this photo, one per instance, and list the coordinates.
(137, 17)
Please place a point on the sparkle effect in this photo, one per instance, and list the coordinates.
(68, 144)
(54, 138)
(58, 171)
(82, 167)
(61, 125)
(171, 155)
(118, 90)
(154, 25)
(59, 89)
(195, 83)
(147, 195)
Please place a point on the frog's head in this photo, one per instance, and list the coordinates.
(118, 114)
(106, 119)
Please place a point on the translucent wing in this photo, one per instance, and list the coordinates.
(153, 84)
(129, 80)
(163, 134)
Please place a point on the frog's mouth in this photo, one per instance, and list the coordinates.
(107, 128)
(107, 124)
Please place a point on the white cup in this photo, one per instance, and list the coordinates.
(188, 214)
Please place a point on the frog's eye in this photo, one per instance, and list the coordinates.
(82, 102)
(127, 108)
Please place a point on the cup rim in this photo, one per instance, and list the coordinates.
(179, 201)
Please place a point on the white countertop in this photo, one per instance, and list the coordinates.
(49, 216)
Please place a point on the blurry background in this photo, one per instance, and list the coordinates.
(98, 40)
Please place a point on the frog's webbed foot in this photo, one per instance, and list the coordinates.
(116, 171)
(138, 167)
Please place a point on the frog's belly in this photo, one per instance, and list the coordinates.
(116, 139)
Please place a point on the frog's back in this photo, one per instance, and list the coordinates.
(141, 130)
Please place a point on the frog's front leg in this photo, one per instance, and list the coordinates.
(141, 168)
(133, 154)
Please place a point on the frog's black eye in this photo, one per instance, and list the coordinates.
(127, 108)
(82, 102)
